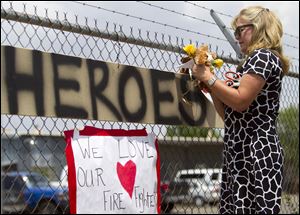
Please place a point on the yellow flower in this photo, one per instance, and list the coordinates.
(190, 50)
(218, 63)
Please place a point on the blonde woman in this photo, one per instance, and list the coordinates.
(252, 156)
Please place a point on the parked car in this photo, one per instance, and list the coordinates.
(32, 193)
(178, 192)
(12, 201)
(166, 205)
(204, 186)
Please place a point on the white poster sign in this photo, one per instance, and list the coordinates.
(112, 171)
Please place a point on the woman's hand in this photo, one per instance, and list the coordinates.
(202, 87)
(201, 72)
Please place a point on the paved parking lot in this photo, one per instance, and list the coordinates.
(192, 209)
(290, 205)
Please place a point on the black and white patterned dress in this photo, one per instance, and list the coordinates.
(253, 157)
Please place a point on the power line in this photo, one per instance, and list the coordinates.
(202, 20)
(290, 35)
(148, 20)
(294, 58)
(205, 8)
(291, 46)
(176, 12)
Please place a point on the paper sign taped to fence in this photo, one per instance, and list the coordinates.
(113, 171)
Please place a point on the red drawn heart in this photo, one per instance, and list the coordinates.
(126, 175)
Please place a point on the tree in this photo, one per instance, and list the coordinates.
(288, 130)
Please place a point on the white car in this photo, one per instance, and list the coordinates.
(204, 185)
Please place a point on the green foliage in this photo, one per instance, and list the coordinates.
(288, 129)
(291, 202)
(45, 171)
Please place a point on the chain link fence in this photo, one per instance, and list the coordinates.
(33, 147)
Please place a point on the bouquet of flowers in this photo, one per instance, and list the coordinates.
(200, 56)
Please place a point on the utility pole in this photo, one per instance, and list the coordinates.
(227, 34)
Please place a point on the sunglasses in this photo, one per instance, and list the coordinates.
(240, 29)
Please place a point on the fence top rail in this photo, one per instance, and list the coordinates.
(64, 25)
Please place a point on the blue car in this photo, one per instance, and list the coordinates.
(31, 192)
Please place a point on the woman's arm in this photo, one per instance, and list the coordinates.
(238, 99)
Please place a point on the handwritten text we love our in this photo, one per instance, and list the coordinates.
(114, 169)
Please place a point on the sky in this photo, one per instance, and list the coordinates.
(164, 16)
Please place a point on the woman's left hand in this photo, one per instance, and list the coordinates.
(201, 72)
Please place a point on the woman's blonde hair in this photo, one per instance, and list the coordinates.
(267, 31)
